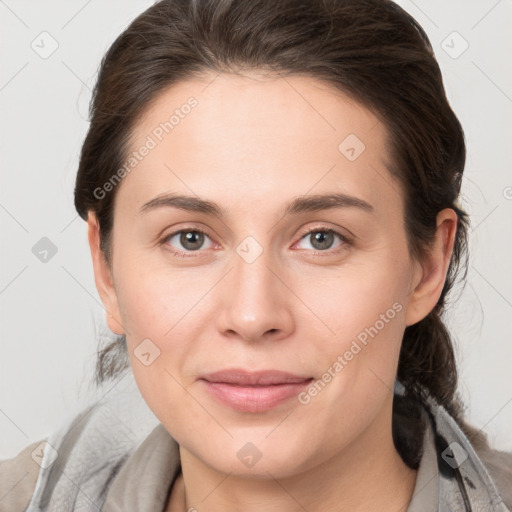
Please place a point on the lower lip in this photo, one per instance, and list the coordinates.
(254, 398)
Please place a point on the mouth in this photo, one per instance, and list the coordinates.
(253, 391)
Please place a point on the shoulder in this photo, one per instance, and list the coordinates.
(88, 448)
(499, 466)
(18, 477)
(498, 463)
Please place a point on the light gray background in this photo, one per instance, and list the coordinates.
(51, 316)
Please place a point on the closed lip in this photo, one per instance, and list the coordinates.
(242, 377)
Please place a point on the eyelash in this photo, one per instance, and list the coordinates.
(187, 254)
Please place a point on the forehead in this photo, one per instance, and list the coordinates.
(253, 139)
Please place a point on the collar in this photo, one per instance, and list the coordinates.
(144, 482)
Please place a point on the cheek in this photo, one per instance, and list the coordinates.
(362, 313)
(163, 314)
(159, 342)
(353, 301)
(357, 359)
(151, 300)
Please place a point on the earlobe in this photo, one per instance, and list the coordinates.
(103, 277)
(433, 269)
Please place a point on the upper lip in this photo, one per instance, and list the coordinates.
(243, 377)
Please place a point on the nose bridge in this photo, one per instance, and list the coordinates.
(254, 300)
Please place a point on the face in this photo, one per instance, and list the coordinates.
(279, 278)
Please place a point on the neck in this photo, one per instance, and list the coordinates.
(368, 474)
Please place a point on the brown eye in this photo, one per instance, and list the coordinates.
(191, 240)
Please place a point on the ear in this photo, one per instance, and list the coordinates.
(103, 277)
(431, 274)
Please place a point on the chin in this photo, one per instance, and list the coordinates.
(265, 459)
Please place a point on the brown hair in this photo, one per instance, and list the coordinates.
(370, 49)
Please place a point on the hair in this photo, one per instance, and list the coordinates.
(372, 51)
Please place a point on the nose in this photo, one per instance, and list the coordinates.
(254, 301)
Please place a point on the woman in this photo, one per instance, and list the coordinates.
(271, 195)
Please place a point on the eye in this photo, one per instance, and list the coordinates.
(186, 240)
(323, 239)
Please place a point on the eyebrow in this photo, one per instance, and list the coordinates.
(302, 204)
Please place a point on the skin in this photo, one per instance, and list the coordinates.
(252, 145)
